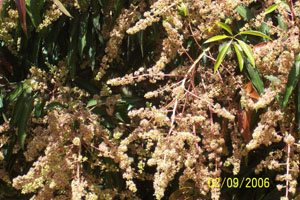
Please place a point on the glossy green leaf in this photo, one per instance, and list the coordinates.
(17, 110)
(221, 56)
(33, 9)
(247, 51)
(62, 8)
(255, 77)
(271, 8)
(39, 108)
(225, 27)
(91, 103)
(291, 84)
(239, 55)
(25, 115)
(297, 104)
(16, 92)
(216, 38)
(119, 117)
(245, 12)
(256, 33)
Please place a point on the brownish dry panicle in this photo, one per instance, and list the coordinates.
(126, 18)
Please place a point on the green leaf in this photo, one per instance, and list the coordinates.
(17, 110)
(272, 78)
(247, 51)
(255, 77)
(216, 38)
(221, 56)
(62, 8)
(297, 104)
(225, 27)
(280, 23)
(239, 55)
(245, 12)
(39, 108)
(119, 117)
(271, 8)
(33, 9)
(91, 103)
(16, 92)
(257, 33)
(292, 81)
(25, 115)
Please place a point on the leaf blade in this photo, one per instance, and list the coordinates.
(255, 77)
(216, 38)
(247, 51)
(239, 56)
(271, 8)
(292, 81)
(225, 27)
(256, 33)
(221, 56)
(62, 8)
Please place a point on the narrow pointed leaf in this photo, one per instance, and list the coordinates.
(257, 33)
(291, 84)
(244, 12)
(254, 77)
(216, 38)
(25, 115)
(221, 56)
(297, 104)
(271, 8)
(20, 4)
(247, 51)
(225, 27)
(239, 55)
(62, 8)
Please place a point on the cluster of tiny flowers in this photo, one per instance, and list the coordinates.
(52, 14)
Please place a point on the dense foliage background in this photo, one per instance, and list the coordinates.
(149, 99)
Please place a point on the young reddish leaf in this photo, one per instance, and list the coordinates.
(22, 14)
(244, 124)
(257, 48)
(1, 5)
(251, 91)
